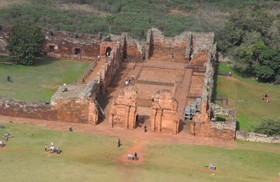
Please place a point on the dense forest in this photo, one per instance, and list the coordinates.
(248, 31)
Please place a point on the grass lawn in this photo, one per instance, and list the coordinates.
(245, 95)
(37, 82)
(90, 158)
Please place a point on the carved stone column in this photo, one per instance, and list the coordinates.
(165, 113)
(124, 108)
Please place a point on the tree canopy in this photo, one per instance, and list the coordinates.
(25, 42)
(250, 36)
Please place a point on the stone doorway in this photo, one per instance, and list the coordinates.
(108, 51)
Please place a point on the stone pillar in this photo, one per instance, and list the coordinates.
(201, 122)
(132, 117)
(165, 113)
(92, 113)
(124, 108)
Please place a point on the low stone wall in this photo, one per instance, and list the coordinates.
(224, 134)
(256, 137)
(221, 125)
(27, 109)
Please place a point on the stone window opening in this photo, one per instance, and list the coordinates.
(77, 51)
(51, 48)
(108, 51)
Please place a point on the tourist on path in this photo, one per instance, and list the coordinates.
(119, 142)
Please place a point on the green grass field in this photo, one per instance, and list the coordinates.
(90, 158)
(37, 82)
(245, 95)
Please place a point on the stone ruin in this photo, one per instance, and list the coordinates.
(124, 109)
(177, 74)
(165, 112)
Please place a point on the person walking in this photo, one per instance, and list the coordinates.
(145, 128)
(119, 142)
(135, 156)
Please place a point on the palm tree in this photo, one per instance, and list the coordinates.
(110, 19)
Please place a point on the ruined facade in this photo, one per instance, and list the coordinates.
(124, 108)
(71, 103)
(71, 45)
(165, 113)
(177, 72)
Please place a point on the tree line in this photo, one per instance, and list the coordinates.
(251, 37)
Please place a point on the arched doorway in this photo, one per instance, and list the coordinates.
(108, 51)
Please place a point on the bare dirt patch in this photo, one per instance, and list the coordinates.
(81, 7)
(138, 148)
(179, 12)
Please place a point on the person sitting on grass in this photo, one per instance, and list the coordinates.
(9, 79)
(52, 149)
(57, 150)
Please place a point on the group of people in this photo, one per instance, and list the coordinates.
(6, 138)
(129, 156)
(53, 149)
(145, 127)
(265, 98)
(133, 156)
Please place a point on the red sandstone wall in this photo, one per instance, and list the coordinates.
(221, 134)
(67, 50)
(200, 58)
(133, 54)
(72, 111)
(167, 49)
(196, 88)
(109, 70)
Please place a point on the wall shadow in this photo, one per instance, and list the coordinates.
(181, 125)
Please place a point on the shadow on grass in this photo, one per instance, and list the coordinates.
(43, 61)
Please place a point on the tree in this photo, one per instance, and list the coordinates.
(251, 37)
(110, 19)
(258, 59)
(243, 22)
(25, 42)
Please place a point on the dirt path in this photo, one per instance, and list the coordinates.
(137, 147)
(104, 129)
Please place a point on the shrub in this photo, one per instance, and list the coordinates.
(268, 127)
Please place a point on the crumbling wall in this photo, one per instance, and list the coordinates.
(202, 46)
(164, 116)
(23, 109)
(76, 103)
(113, 61)
(165, 48)
(203, 125)
(124, 108)
(77, 111)
(256, 137)
(61, 44)
(132, 50)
